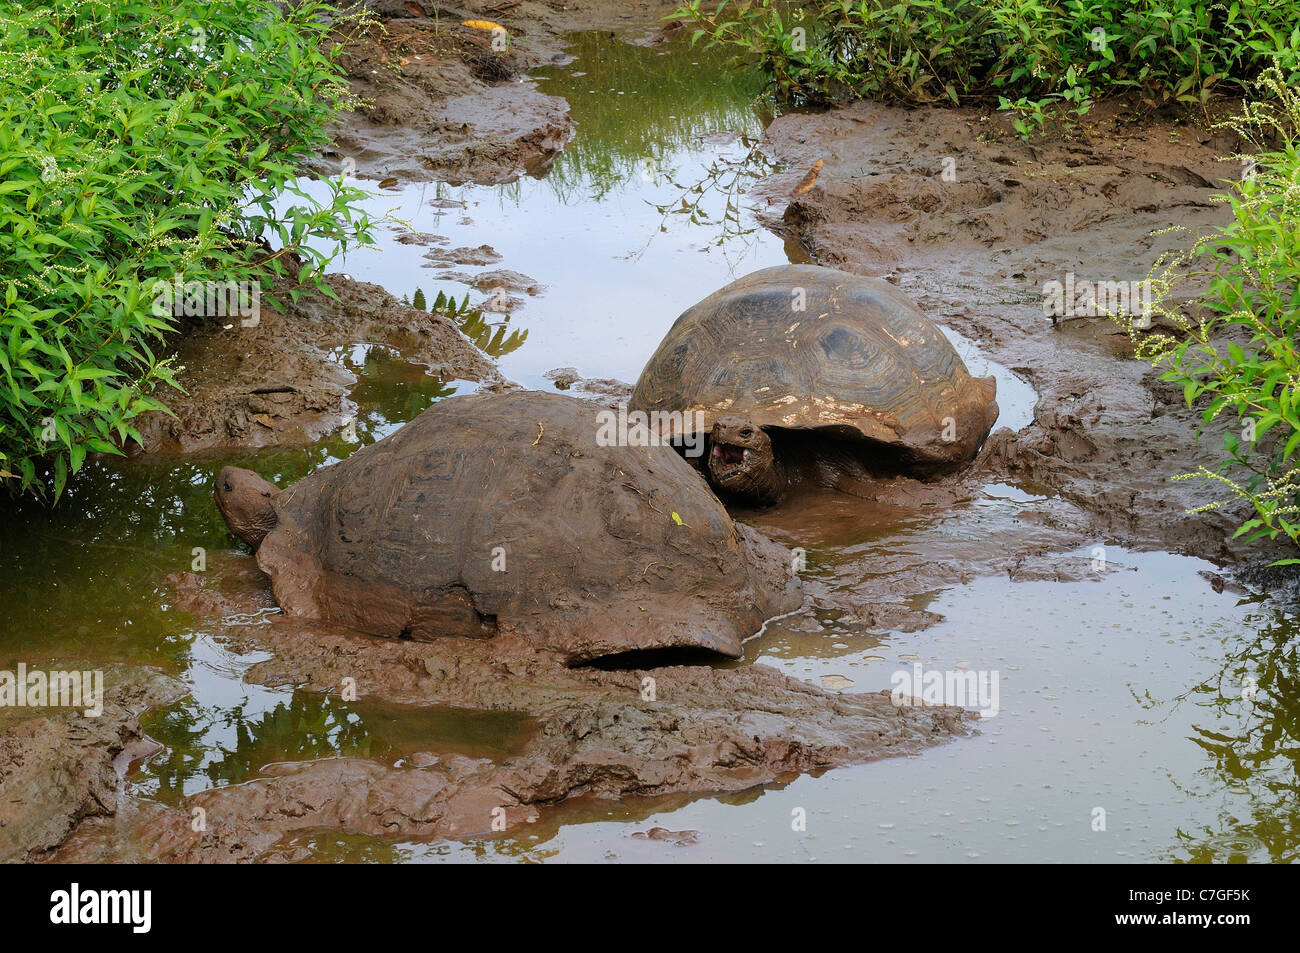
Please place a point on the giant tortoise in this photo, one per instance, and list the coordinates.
(804, 372)
(499, 514)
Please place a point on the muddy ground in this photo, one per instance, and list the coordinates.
(975, 252)
(596, 734)
(280, 382)
(438, 103)
(443, 104)
(59, 770)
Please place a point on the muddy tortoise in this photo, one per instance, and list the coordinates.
(500, 515)
(801, 372)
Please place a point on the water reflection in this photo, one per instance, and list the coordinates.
(641, 111)
(211, 745)
(1248, 725)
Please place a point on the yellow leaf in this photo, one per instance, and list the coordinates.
(678, 520)
(482, 25)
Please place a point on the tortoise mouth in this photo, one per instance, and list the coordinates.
(729, 459)
(729, 454)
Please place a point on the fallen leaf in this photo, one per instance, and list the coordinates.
(836, 683)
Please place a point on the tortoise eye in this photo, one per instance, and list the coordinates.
(747, 433)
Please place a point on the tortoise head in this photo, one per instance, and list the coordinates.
(247, 504)
(741, 461)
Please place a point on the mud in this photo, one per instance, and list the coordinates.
(441, 104)
(599, 734)
(976, 252)
(438, 105)
(1093, 466)
(58, 769)
(281, 383)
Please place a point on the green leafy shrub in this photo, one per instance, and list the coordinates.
(1236, 347)
(1030, 56)
(141, 141)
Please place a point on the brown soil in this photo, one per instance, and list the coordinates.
(278, 384)
(443, 105)
(61, 767)
(974, 252)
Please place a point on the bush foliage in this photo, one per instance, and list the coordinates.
(1236, 347)
(141, 141)
(1031, 56)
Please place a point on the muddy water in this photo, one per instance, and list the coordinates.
(1132, 688)
(640, 217)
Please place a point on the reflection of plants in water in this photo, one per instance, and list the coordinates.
(493, 338)
(635, 107)
(304, 727)
(308, 726)
(86, 577)
(390, 390)
(336, 847)
(726, 179)
(1253, 742)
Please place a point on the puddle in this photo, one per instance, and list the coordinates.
(1122, 694)
(1016, 396)
(228, 730)
(639, 218)
(85, 581)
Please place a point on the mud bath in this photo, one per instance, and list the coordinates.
(976, 254)
(1120, 681)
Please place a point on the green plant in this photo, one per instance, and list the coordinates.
(141, 141)
(1237, 348)
(1036, 58)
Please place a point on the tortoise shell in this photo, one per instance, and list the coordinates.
(498, 514)
(807, 347)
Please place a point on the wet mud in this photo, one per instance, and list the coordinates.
(598, 733)
(281, 382)
(442, 103)
(59, 769)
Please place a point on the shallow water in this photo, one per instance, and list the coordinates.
(1121, 694)
(1122, 691)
